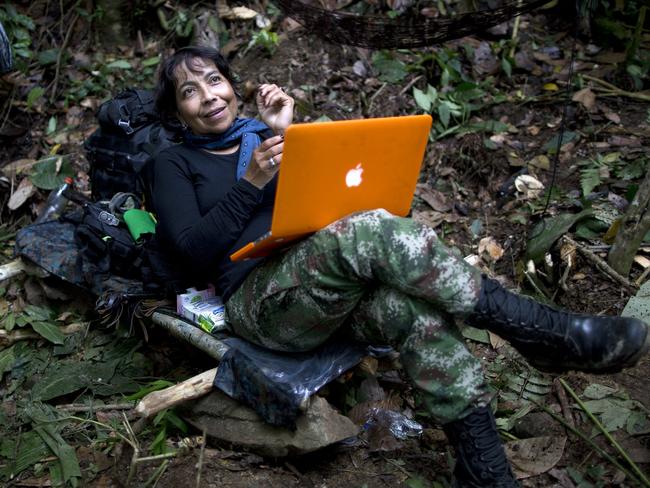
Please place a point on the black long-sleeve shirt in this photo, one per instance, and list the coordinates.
(205, 214)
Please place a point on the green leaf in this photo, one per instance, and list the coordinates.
(7, 358)
(507, 67)
(33, 95)
(47, 57)
(62, 450)
(637, 424)
(51, 125)
(444, 114)
(551, 146)
(476, 335)
(49, 331)
(549, 230)
(390, 70)
(70, 377)
(615, 418)
(46, 176)
(153, 386)
(423, 101)
(9, 322)
(596, 391)
(119, 64)
(633, 169)
(38, 313)
(153, 61)
(176, 421)
(589, 179)
(32, 449)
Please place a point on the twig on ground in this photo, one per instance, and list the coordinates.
(59, 58)
(199, 465)
(157, 457)
(639, 281)
(564, 402)
(372, 98)
(194, 387)
(155, 477)
(515, 34)
(409, 85)
(591, 443)
(11, 269)
(639, 474)
(75, 407)
(9, 102)
(607, 89)
(600, 264)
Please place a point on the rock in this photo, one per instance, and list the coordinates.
(227, 420)
(537, 424)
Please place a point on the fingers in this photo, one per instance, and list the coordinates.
(271, 142)
(268, 154)
(270, 95)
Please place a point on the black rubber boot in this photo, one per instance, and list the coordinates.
(480, 459)
(553, 340)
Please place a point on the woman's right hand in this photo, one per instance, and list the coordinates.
(265, 161)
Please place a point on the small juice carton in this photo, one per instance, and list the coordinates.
(203, 308)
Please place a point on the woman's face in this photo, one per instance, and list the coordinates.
(205, 99)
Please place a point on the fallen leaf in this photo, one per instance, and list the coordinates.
(495, 341)
(534, 456)
(610, 58)
(624, 141)
(429, 217)
(642, 261)
(18, 166)
(436, 199)
(492, 247)
(568, 254)
(585, 97)
(533, 130)
(541, 161)
(550, 87)
(473, 259)
(484, 61)
(25, 190)
(529, 186)
(235, 13)
(515, 160)
(612, 116)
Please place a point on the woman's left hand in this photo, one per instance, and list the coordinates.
(275, 107)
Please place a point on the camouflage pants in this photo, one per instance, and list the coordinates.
(380, 279)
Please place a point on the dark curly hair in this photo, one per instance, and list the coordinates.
(166, 85)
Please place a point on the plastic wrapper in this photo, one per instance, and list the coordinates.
(276, 384)
(398, 424)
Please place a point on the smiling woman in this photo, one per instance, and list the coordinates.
(370, 277)
(205, 98)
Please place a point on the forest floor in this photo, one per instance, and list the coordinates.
(503, 121)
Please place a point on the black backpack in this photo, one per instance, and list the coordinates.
(130, 134)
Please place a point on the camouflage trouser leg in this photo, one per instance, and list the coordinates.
(383, 279)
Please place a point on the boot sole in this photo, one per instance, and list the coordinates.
(633, 360)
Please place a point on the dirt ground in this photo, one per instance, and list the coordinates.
(300, 65)
(471, 175)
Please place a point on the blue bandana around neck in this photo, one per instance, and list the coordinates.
(242, 131)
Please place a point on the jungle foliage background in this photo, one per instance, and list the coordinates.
(536, 171)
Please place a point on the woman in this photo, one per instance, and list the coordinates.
(373, 276)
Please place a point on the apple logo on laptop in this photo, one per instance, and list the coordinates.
(353, 177)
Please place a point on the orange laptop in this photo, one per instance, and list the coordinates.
(332, 169)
